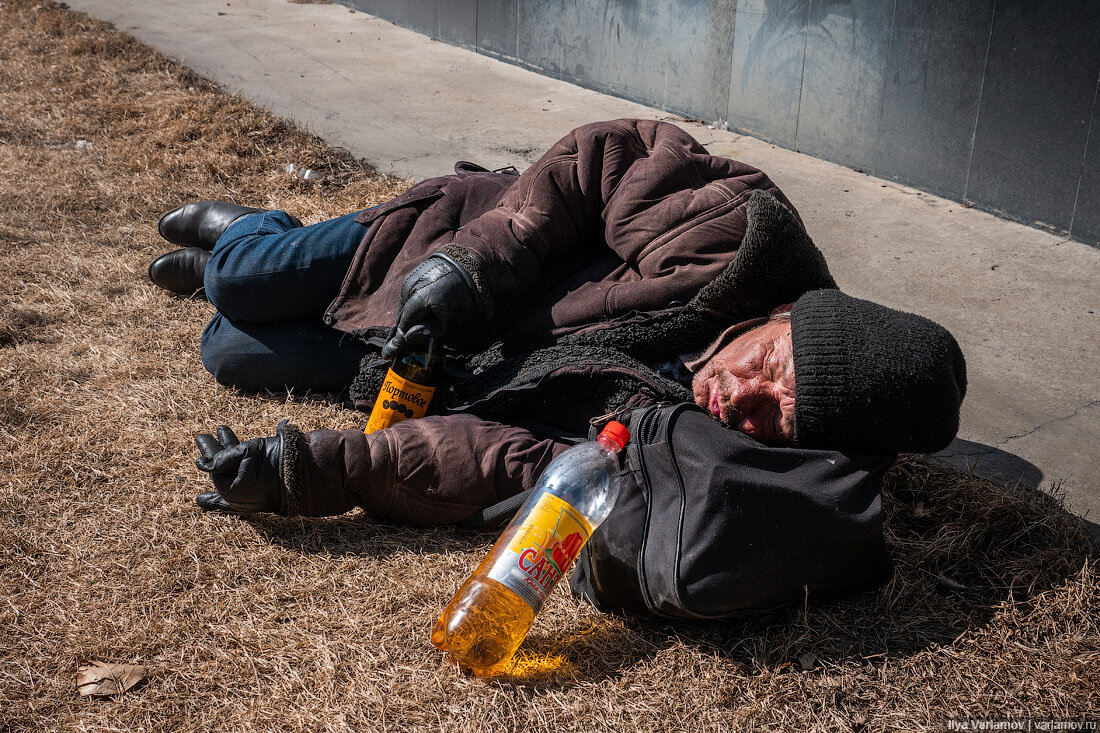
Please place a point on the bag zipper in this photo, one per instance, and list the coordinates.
(646, 432)
(676, 411)
(647, 427)
(673, 414)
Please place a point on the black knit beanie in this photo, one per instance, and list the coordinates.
(872, 379)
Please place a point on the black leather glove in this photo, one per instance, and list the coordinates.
(248, 476)
(437, 297)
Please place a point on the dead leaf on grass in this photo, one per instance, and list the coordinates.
(106, 678)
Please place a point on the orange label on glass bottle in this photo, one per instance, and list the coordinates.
(542, 550)
(399, 399)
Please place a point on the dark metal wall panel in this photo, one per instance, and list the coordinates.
(388, 9)
(696, 56)
(769, 50)
(673, 56)
(539, 44)
(423, 16)
(1040, 80)
(847, 42)
(930, 100)
(496, 27)
(583, 33)
(419, 15)
(458, 22)
(988, 101)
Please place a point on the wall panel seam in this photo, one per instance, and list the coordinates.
(876, 157)
(978, 106)
(733, 36)
(1084, 156)
(802, 73)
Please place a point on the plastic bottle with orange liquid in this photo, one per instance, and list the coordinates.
(489, 617)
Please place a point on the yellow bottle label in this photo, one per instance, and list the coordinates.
(399, 399)
(542, 550)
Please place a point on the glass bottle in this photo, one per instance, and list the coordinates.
(408, 388)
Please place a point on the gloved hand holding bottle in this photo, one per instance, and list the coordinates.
(438, 298)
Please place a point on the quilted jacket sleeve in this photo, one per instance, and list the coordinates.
(645, 189)
(432, 471)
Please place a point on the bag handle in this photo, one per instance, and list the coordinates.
(508, 507)
(490, 515)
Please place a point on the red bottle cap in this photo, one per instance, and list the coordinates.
(616, 432)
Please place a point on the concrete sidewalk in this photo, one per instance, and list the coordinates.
(1023, 303)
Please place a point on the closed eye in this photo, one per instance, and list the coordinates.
(777, 367)
(760, 363)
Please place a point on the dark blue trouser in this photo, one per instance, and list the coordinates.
(271, 282)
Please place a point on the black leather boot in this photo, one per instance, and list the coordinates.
(200, 223)
(181, 271)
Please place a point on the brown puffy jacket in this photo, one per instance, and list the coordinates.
(617, 217)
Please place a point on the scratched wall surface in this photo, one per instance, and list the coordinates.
(991, 102)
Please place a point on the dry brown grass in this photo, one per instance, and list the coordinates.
(280, 624)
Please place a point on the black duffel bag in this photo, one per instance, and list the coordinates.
(710, 524)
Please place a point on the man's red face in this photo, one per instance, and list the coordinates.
(749, 384)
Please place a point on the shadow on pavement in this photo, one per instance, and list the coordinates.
(1002, 468)
(992, 464)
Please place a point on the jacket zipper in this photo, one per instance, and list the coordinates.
(707, 214)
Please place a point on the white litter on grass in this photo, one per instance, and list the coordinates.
(306, 174)
(80, 144)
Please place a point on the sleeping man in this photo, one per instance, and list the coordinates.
(627, 267)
